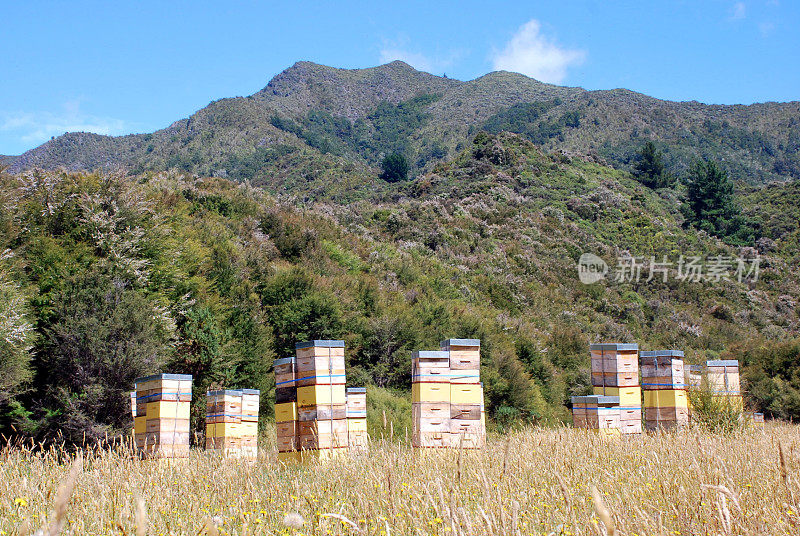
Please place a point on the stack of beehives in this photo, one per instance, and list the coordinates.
(597, 412)
(666, 405)
(161, 426)
(287, 427)
(758, 420)
(723, 380)
(356, 401)
(224, 422)
(251, 399)
(430, 399)
(447, 396)
(321, 400)
(615, 372)
(467, 429)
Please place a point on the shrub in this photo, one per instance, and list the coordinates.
(395, 168)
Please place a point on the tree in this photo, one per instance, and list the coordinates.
(103, 336)
(710, 205)
(16, 337)
(649, 168)
(395, 168)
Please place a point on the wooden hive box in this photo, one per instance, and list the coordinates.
(599, 411)
(320, 362)
(430, 366)
(357, 418)
(723, 377)
(465, 354)
(662, 369)
(630, 397)
(324, 434)
(666, 399)
(430, 392)
(615, 357)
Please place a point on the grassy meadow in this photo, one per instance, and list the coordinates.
(534, 481)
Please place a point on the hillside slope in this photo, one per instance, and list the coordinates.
(358, 115)
(215, 278)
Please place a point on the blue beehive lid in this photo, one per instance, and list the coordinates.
(319, 344)
(430, 354)
(615, 347)
(661, 353)
(460, 342)
(180, 377)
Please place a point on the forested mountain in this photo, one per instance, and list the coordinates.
(313, 121)
(109, 275)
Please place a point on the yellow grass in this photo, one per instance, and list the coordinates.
(536, 482)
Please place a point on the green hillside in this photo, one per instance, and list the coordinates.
(354, 117)
(108, 276)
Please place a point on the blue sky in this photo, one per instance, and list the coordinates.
(121, 67)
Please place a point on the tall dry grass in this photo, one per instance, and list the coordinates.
(537, 481)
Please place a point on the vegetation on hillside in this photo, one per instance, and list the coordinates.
(115, 276)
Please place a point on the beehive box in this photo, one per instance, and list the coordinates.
(630, 397)
(596, 412)
(430, 366)
(465, 359)
(357, 417)
(662, 369)
(723, 377)
(161, 425)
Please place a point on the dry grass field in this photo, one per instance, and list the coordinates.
(537, 481)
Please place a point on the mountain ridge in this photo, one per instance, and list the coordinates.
(361, 114)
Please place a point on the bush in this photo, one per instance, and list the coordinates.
(395, 168)
(717, 414)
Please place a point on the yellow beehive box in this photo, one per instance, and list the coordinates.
(311, 395)
(629, 397)
(356, 425)
(167, 410)
(289, 457)
(139, 425)
(286, 412)
(311, 455)
(224, 429)
(431, 392)
(666, 399)
(248, 428)
(466, 394)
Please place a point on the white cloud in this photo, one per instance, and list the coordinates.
(38, 127)
(535, 55)
(738, 11)
(766, 28)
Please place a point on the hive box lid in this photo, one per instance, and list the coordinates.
(251, 391)
(319, 344)
(430, 354)
(661, 353)
(460, 342)
(356, 390)
(615, 346)
(224, 392)
(723, 363)
(179, 377)
(595, 399)
(284, 361)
